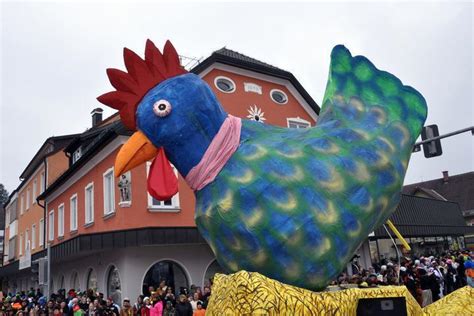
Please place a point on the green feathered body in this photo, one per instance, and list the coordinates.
(295, 204)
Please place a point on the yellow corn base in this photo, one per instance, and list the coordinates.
(250, 293)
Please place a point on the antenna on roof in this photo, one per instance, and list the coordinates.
(189, 63)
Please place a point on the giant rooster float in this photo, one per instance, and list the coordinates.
(291, 204)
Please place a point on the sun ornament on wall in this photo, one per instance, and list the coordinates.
(256, 114)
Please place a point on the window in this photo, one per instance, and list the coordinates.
(170, 271)
(33, 236)
(168, 205)
(51, 225)
(89, 203)
(20, 246)
(109, 192)
(28, 202)
(11, 248)
(297, 122)
(114, 287)
(61, 220)
(91, 280)
(42, 182)
(73, 213)
(224, 84)
(27, 240)
(278, 96)
(61, 282)
(41, 232)
(77, 155)
(213, 268)
(34, 190)
(75, 281)
(22, 203)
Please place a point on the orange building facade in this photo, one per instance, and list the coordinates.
(24, 216)
(107, 233)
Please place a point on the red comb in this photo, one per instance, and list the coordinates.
(142, 75)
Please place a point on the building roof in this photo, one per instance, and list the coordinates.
(236, 55)
(102, 136)
(236, 59)
(422, 217)
(458, 188)
(50, 146)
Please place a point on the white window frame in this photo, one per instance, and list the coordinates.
(42, 181)
(20, 246)
(22, 203)
(28, 201)
(33, 236)
(279, 91)
(35, 183)
(41, 232)
(225, 78)
(298, 121)
(61, 220)
(27, 237)
(77, 154)
(89, 219)
(109, 197)
(72, 216)
(51, 225)
(174, 207)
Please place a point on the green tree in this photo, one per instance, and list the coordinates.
(3, 194)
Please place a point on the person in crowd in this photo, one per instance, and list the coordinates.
(126, 308)
(146, 306)
(163, 285)
(169, 297)
(200, 311)
(169, 309)
(183, 307)
(193, 299)
(110, 306)
(138, 305)
(157, 302)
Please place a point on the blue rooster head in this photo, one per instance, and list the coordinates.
(175, 115)
(177, 111)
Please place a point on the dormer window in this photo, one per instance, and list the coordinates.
(296, 122)
(279, 96)
(77, 155)
(224, 84)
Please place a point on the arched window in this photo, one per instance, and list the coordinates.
(213, 268)
(114, 287)
(75, 281)
(91, 280)
(169, 271)
(61, 282)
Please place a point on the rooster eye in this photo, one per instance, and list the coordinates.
(162, 108)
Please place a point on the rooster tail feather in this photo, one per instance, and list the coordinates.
(356, 87)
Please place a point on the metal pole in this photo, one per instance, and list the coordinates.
(429, 140)
(48, 283)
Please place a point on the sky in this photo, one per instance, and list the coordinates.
(54, 55)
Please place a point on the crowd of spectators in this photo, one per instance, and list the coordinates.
(427, 278)
(161, 301)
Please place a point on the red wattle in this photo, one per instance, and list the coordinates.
(162, 181)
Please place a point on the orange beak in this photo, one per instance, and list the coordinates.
(137, 150)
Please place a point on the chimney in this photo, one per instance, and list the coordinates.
(445, 176)
(96, 116)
